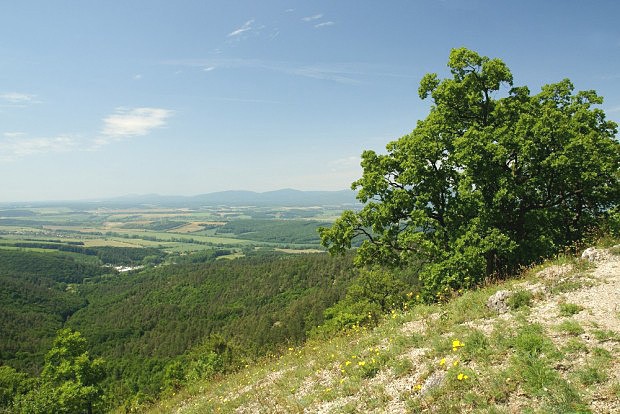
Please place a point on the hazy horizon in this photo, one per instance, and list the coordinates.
(140, 195)
(100, 100)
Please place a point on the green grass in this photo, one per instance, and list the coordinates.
(569, 309)
(591, 375)
(570, 327)
(604, 335)
(520, 299)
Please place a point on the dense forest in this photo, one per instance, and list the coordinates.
(154, 327)
(274, 231)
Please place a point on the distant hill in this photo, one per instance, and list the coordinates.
(284, 197)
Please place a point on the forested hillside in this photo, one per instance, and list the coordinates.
(154, 328)
(36, 298)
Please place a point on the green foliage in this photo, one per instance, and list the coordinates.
(35, 265)
(12, 383)
(613, 222)
(34, 302)
(273, 231)
(605, 335)
(202, 256)
(69, 382)
(591, 375)
(532, 342)
(483, 185)
(147, 324)
(571, 327)
(569, 309)
(520, 299)
(213, 356)
(374, 293)
(128, 255)
(163, 326)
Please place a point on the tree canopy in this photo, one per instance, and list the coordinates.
(494, 177)
(70, 379)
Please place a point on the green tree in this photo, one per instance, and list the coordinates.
(484, 184)
(375, 292)
(12, 383)
(70, 379)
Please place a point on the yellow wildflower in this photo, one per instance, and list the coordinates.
(455, 363)
(462, 377)
(361, 363)
(347, 363)
(456, 344)
(442, 362)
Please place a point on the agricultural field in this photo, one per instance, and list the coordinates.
(83, 229)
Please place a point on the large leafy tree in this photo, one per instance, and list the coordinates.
(493, 178)
(70, 381)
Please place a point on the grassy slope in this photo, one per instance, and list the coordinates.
(556, 350)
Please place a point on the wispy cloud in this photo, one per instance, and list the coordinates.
(123, 123)
(330, 23)
(16, 145)
(246, 100)
(312, 18)
(18, 99)
(315, 19)
(14, 134)
(208, 69)
(613, 109)
(347, 163)
(246, 26)
(137, 77)
(342, 73)
(131, 122)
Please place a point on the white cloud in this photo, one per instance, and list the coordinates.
(17, 98)
(330, 23)
(312, 18)
(18, 145)
(246, 26)
(14, 134)
(342, 73)
(347, 163)
(137, 77)
(208, 69)
(613, 109)
(130, 122)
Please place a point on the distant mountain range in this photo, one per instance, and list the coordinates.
(285, 197)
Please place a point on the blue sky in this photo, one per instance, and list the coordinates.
(105, 98)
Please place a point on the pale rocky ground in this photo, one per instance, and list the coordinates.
(600, 298)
